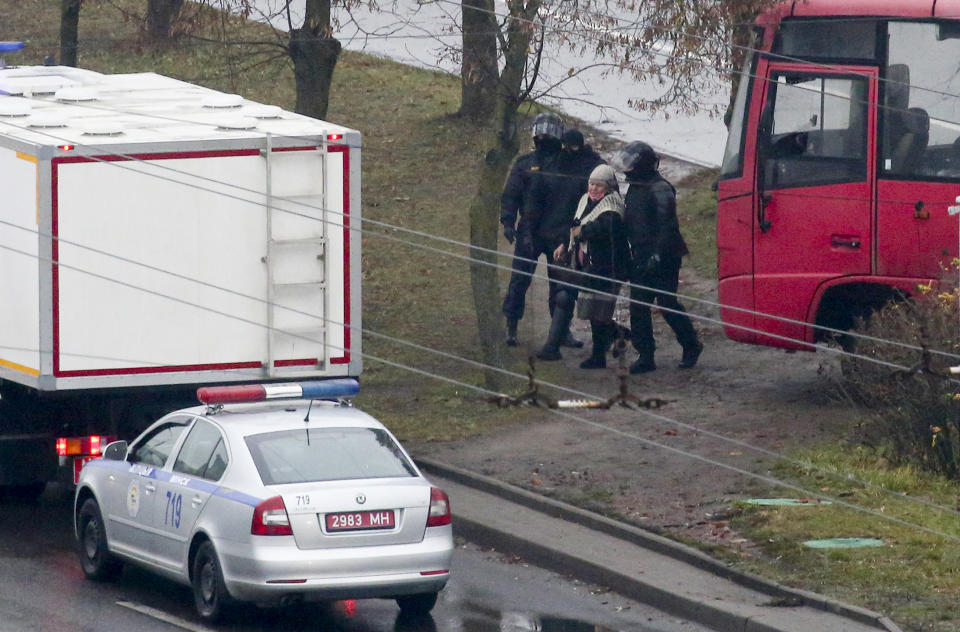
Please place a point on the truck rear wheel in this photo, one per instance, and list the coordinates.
(95, 558)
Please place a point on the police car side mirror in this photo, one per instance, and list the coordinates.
(115, 451)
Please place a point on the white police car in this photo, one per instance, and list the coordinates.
(297, 497)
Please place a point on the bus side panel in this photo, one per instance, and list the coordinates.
(737, 292)
(19, 267)
(788, 296)
(916, 237)
(735, 259)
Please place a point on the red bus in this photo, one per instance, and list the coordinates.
(842, 158)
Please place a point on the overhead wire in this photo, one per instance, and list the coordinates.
(247, 200)
(707, 460)
(108, 157)
(675, 32)
(718, 305)
(648, 24)
(328, 321)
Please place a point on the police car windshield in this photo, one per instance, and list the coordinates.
(331, 454)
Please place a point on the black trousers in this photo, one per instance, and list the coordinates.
(531, 248)
(666, 278)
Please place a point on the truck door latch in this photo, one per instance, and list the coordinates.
(919, 212)
(845, 240)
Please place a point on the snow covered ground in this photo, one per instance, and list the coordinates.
(418, 33)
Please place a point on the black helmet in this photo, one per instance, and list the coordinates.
(637, 156)
(573, 138)
(547, 124)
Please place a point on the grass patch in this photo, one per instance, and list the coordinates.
(697, 213)
(914, 577)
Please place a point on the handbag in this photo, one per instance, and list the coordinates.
(592, 306)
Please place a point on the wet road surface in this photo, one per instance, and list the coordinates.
(43, 590)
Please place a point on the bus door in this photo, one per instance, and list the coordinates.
(814, 188)
(919, 166)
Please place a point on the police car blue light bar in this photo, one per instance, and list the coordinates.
(318, 389)
(9, 47)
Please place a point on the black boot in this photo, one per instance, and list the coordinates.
(597, 359)
(558, 326)
(511, 332)
(691, 354)
(569, 341)
(644, 364)
(601, 342)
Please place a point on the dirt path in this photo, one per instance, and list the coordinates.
(665, 468)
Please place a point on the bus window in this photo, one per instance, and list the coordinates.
(921, 113)
(819, 130)
(844, 39)
(733, 153)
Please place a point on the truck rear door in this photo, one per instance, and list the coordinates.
(814, 187)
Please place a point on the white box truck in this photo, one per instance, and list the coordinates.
(156, 235)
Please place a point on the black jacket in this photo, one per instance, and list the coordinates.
(651, 218)
(516, 197)
(555, 192)
(607, 253)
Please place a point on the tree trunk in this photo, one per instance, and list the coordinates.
(314, 58)
(485, 207)
(69, 29)
(314, 52)
(478, 67)
(161, 16)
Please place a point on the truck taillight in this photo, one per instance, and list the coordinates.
(334, 136)
(82, 446)
(270, 518)
(439, 508)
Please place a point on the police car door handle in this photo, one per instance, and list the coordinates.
(196, 501)
(150, 488)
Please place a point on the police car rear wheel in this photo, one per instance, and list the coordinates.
(95, 558)
(209, 590)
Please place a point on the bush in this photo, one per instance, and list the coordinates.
(911, 414)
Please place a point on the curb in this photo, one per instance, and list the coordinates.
(639, 537)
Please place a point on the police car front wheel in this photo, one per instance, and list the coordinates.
(95, 558)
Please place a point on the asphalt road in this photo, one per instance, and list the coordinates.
(43, 590)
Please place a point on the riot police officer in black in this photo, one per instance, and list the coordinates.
(555, 195)
(518, 200)
(656, 251)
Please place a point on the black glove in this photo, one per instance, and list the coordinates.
(510, 233)
(653, 264)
